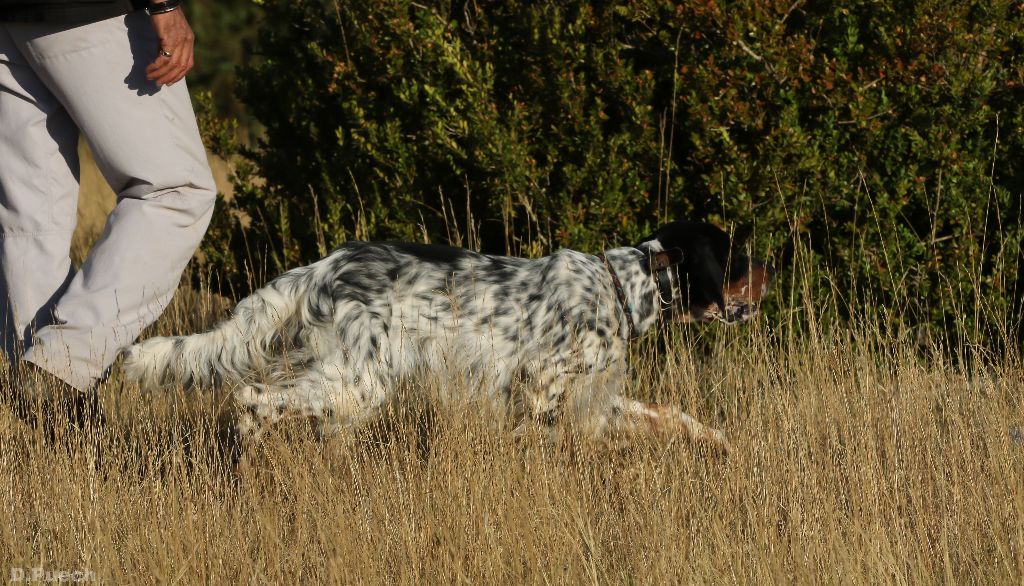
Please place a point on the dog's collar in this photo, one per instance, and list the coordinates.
(660, 267)
(664, 290)
(627, 308)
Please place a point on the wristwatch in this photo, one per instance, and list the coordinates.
(162, 7)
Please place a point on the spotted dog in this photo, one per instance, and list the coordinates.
(331, 341)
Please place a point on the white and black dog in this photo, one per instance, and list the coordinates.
(547, 337)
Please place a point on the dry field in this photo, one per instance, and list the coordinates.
(859, 458)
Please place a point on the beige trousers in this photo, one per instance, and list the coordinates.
(55, 82)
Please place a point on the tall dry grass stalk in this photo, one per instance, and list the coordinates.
(860, 457)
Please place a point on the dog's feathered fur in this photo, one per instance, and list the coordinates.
(331, 340)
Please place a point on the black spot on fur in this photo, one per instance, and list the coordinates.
(433, 253)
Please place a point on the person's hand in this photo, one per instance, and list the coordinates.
(176, 38)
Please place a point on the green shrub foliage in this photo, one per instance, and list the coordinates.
(880, 139)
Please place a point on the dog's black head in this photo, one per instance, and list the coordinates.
(712, 280)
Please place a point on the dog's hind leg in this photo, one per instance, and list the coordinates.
(258, 408)
(333, 404)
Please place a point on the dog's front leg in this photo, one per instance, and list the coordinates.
(663, 421)
(608, 416)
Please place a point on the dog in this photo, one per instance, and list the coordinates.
(546, 337)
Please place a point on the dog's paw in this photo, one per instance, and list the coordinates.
(713, 442)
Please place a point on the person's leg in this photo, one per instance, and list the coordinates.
(38, 198)
(147, 145)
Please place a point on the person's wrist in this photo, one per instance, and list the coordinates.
(163, 7)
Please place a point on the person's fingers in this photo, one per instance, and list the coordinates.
(178, 67)
(157, 73)
(163, 75)
(158, 64)
(168, 70)
(160, 69)
(162, 64)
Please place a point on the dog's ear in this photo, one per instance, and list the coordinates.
(666, 258)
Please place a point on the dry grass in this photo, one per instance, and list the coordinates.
(858, 460)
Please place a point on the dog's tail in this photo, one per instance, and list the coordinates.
(234, 349)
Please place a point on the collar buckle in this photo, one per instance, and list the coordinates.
(661, 262)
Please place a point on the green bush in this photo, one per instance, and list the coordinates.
(882, 137)
(225, 31)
